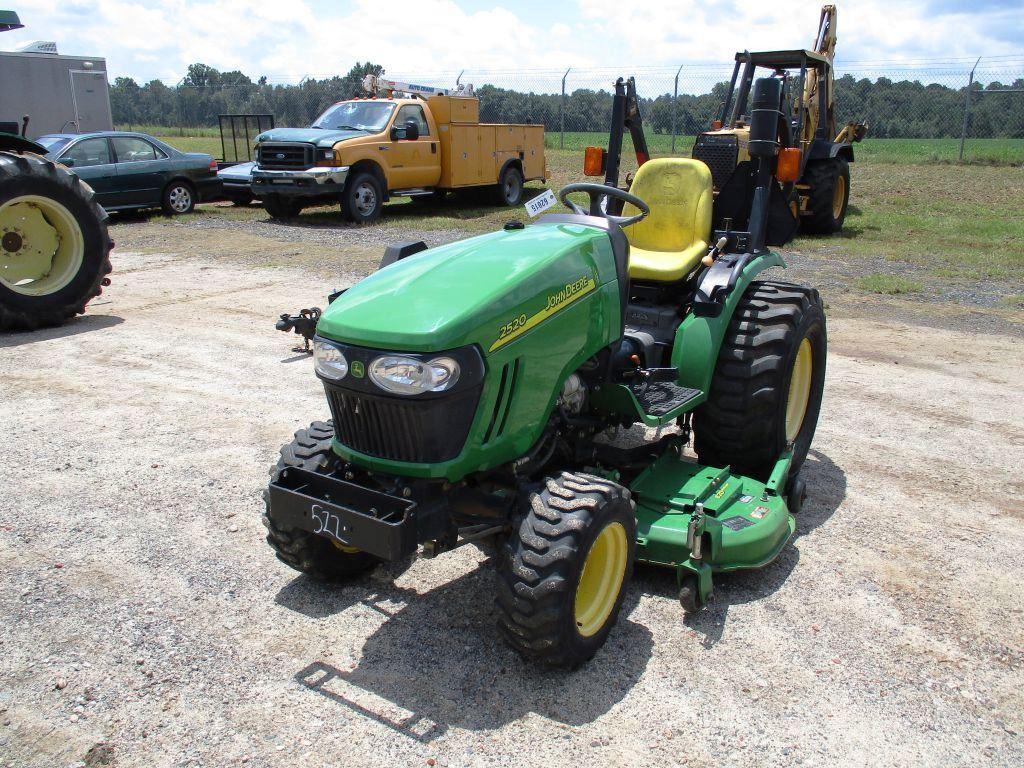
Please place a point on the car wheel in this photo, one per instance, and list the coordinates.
(179, 197)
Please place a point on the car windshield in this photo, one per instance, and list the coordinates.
(52, 143)
(357, 115)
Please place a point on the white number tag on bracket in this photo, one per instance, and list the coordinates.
(541, 203)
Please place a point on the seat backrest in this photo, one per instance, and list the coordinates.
(679, 192)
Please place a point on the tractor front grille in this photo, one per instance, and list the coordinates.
(284, 157)
(424, 431)
(719, 152)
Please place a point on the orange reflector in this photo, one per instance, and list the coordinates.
(716, 125)
(593, 161)
(788, 168)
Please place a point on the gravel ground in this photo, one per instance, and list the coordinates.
(143, 621)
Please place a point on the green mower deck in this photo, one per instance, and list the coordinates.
(702, 520)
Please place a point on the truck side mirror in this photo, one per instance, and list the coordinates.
(412, 131)
(67, 162)
(397, 134)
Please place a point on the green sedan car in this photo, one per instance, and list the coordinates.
(133, 170)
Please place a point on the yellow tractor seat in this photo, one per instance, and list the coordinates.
(669, 243)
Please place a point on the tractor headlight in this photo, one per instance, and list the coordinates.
(328, 361)
(408, 376)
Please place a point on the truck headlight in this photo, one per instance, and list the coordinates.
(408, 376)
(328, 361)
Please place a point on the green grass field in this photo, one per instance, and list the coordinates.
(910, 205)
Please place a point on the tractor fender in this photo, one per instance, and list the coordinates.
(698, 339)
(10, 142)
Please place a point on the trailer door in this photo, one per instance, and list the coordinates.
(90, 98)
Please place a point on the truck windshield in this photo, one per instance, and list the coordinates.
(358, 115)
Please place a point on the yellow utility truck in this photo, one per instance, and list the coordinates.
(403, 139)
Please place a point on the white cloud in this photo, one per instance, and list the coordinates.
(286, 41)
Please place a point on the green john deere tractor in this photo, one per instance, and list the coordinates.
(473, 386)
(54, 246)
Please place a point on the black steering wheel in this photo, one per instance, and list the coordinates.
(596, 192)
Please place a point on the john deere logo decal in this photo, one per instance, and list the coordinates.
(556, 301)
(357, 369)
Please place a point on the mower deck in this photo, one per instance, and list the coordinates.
(703, 520)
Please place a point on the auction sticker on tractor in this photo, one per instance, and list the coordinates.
(541, 203)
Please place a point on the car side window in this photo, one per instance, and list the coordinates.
(89, 152)
(130, 149)
(413, 113)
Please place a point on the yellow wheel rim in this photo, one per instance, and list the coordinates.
(799, 390)
(601, 579)
(344, 547)
(41, 245)
(839, 197)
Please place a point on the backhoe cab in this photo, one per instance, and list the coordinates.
(813, 173)
(475, 388)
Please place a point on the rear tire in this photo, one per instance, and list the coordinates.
(27, 307)
(510, 187)
(282, 208)
(179, 198)
(768, 381)
(829, 182)
(565, 568)
(306, 552)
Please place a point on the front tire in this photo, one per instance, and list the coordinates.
(306, 552)
(565, 569)
(363, 198)
(768, 381)
(54, 244)
(179, 197)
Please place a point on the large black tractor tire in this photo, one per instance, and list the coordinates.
(313, 555)
(509, 191)
(767, 385)
(281, 208)
(829, 193)
(59, 210)
(363, 198)
(565, 568)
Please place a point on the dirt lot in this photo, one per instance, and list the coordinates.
(143, 621)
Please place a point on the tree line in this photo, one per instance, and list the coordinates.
(893, 109)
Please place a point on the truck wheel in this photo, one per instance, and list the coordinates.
(510, 187)
(179, 197)
(363, 198)
(281, 208)
(313, 555)
(565, 568)
(767, 384)
(54, 246)
(829, 182)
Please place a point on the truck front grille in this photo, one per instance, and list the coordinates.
(719, 153)
(284, 157)
(402, 429)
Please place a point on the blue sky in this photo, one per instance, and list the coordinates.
(296, 38)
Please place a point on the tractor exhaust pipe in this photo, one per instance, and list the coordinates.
(765, 115)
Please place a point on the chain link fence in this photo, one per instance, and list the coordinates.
(929, 100)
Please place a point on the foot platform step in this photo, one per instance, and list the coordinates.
(660, 397)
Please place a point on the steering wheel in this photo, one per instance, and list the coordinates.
(596, 192)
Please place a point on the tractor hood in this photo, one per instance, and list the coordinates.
(318, 136)
(481, 291)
